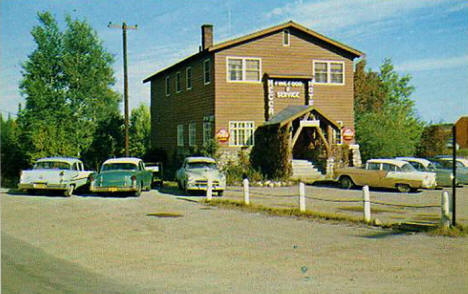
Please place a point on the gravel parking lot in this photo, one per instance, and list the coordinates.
(164, 243)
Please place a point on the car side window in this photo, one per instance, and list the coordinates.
(75, 166)
(388, 167)
(373, 166)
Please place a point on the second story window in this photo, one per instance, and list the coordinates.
(243, 69)
(206, 72)
(177, 82)
(286, 38)
(168, 86)
(329, 72)
(188, 78)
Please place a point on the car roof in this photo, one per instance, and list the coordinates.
(69, 160)
(397, 162)
(132, 160)
(200, 159)
(422, 161)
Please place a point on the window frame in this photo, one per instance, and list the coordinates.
(207, 129)
(205, 70)
(329, 72)
(167, 85)
(180, 135)
(178, 87)
(192, 132)
(188, 79)
(236, 142)
(286, 36)
(243, 69)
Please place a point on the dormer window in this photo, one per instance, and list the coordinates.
(286, 38)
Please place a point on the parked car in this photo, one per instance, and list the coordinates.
(156, 169)
(385, 173)
(443, 176)
(461, 172)
(126, 174)
(54, 173)
(194, 174)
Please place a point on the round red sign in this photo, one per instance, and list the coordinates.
(222, 135)
(347, 134)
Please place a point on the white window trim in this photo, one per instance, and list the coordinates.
(242, 121)
(192, 140)
(209, 70)
(243, 58)
(329, 62)
(180, 143)
(166, 83)
(205, 130)
(187, 78)
(286, 31)
(178, 87)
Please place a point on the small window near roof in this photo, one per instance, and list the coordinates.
(168, 86)
(177, 83)
(188, 78)
(286, 38)
(206, 72)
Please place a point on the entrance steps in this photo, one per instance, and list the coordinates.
(305, 170)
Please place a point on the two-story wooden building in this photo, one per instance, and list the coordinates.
(282, 74)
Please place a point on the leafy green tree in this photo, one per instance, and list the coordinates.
(386, 121)
(140, 131)
(434, 139)
(12, 158)
(66, 83)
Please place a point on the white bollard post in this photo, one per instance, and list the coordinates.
(245, 182)
(445, 217)
(209, 189)
(366, 198)
(302, 204)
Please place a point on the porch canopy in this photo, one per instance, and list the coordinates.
(306, 116)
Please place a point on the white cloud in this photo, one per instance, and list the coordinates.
(433, 64)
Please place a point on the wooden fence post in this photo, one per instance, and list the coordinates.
(246, 191)
(445, 217)
(209, 188)
(302, 204)
(366, 199)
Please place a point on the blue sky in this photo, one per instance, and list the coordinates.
(427, 39)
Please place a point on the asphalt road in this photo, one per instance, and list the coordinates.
(162, 243)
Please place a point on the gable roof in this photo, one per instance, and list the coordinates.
(234, 42)
(293, 112)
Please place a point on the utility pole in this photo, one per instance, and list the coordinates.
(454, 171)
(124, 28)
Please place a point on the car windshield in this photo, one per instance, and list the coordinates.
(119, 166)
(192, 165)
(407, 168)
(52, 165)
(431, 166)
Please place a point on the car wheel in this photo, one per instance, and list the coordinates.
(403, 188)
(220, 193)
(31, 192)
(346, 182)
(69, 191)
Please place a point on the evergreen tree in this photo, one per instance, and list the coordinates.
(140, 131)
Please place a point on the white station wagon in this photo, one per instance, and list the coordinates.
(54, 173)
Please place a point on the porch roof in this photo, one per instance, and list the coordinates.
(293, 112)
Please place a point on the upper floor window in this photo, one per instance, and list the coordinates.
(168, 86)
(329, 72)
(243, 69)
(177, 82)
(286, 38)
(241, 133)
(188, 78)
(206, 72)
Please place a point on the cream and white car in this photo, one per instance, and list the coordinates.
(195, 173)
(386, 173)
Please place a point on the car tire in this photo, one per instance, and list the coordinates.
(346, 182)
(220, 193)
(403, 188)
(31, 192)
(69, 191)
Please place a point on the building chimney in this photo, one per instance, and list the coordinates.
(207, 36)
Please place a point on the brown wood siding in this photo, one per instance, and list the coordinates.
(462, 132)
(180, 108)
(246, 101)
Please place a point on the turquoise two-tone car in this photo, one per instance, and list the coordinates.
(126, 174)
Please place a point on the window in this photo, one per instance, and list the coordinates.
(192, 134)
(206, 72)
(168, 86)
(207, 132)
(180, 135)
(241, 133)
(373, 166)
(243, 69)
(188, 78)
(286, 38)
(388, 167)
(329, 72)
(177, 82)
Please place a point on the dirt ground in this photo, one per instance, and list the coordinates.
(163, 243)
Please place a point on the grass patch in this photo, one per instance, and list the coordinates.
(165, 214)
(373, 210)
(291, 212)
(451, 231)
(427, 217)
